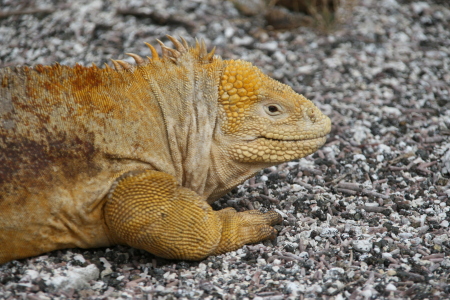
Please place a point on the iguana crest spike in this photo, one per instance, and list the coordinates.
(200, 46)
(179, 46)
(173, 53)
(185, 43)
(164, 49)
(155, 55)
(117, 65)
(208, 57)
(138, 59)
(125, 65)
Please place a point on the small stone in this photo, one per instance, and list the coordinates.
(391, 111)
(80, 258)
(357, 157)
(33, 274)
(390, 287)
(367, 293)
(296, 187)
(445, 263)
(280, 57)
(329, 232)
(261, 261)
(75, 278)
(405, 235)
(202, 266)
(419, 7)
(229, 32)
(391, 272)
(106, 272)
(362, 245)
(334, 273)
(304, 255)
(246, 40)
(271, 46)
(307, 69)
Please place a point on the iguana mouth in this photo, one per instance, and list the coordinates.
(289, 139)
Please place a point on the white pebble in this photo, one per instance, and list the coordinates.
(106, 263)
(362, 245)
(261, 261)
(307, 69)
(202, 266)
(80, 258)
(419, 7)
(296, 187)
(367, 293)
(304, 255)
(357, 157)
(246, 40)
(271, 46)
(229, 32)
(446, 263)
(405, 235)
(32, 273)
(75, 278)
(280, 57)
(339, 297)
(390, 287)
(382, 148)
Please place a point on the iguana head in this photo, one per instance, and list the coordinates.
(265, 121)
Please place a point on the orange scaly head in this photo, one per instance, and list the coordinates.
(270, 122)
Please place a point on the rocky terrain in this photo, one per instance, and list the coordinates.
(366, 217)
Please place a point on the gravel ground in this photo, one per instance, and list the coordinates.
(365, 217)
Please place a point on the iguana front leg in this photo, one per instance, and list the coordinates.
(150, 211)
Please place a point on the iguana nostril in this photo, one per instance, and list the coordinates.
(312, 114)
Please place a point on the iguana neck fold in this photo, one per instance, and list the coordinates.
(182, 90)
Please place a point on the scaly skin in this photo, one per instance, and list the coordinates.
(93, 157)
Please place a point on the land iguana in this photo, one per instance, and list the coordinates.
(135, 155)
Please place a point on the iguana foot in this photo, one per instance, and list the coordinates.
(246, 227)
(150, 211)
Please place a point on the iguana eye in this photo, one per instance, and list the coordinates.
(273, 109)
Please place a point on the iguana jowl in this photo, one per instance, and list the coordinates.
(134, 155)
